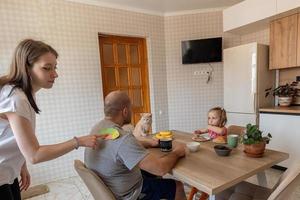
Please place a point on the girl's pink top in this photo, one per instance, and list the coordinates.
(213, 134)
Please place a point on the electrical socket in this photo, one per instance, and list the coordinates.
(201, 72)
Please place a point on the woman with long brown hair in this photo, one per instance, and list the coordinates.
(33, 67)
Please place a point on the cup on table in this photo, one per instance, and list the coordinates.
(165, 144)
(232, 140)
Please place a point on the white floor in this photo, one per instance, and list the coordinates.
(74, 189)
(66, 189)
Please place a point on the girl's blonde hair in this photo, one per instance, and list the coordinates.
(222, 113)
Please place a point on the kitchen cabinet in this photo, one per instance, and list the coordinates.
(286, 5)
(285, 133)
(250, 15)
(283, 42)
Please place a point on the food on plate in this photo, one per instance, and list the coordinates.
(220, 140)
(163, 135)
(199, 138)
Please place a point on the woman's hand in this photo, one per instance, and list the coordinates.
(25, 178)
(90, 140)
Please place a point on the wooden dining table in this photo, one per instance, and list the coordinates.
(211, 173)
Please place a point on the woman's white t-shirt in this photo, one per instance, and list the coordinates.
(11, 158)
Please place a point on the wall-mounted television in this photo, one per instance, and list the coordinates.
(202, 50)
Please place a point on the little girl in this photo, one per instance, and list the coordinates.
(216, 123)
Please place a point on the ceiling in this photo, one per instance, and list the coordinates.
(163, 7)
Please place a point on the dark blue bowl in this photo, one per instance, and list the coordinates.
(222, 150)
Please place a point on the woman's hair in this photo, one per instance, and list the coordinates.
(25, 55)
(222, 114)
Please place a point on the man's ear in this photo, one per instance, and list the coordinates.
(125, 111)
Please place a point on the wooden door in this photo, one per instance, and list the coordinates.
(283, 42)
(124, 67)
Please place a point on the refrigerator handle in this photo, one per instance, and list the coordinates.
(255, 102)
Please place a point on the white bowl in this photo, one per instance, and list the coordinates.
(193, 146)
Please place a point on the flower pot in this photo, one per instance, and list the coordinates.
(285, 101)
(255, 150)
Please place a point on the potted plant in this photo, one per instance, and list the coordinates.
(254, 142)
(285, 93)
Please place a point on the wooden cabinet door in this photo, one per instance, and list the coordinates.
(124, 67)
(283, 42)
(298, 42)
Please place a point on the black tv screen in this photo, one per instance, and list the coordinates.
(202, 50)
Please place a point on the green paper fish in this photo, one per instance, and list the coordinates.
(112, 133)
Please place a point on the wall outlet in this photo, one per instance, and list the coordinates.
(201, 72)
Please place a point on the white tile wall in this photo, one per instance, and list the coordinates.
(190, 97)
(75, 103)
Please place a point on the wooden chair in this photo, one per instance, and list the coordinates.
(93, 182)
(194, 190)
(283, 190)
(233, 129)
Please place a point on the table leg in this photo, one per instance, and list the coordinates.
(262, 179)
(212, 197)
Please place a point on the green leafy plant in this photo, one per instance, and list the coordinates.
(253, 135)
(287, 90)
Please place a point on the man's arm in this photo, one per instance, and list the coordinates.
(148, 142)
(161, 165)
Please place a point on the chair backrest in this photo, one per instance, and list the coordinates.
(93, 182)
(233, 129)
(287, 183)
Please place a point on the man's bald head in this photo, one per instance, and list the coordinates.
(115, 102)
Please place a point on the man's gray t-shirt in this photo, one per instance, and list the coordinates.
(115, 161)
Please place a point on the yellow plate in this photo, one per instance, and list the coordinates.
(159, 136)
(165, 133)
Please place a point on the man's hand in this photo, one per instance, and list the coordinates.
(154, 142)
(179, 149)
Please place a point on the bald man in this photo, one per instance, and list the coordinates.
(119, 162)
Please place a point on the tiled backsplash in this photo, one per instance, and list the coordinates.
(288, 75)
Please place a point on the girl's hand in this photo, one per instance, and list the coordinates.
(25, 178)
(90, 140)
(198, 132)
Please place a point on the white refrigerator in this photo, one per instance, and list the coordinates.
(246, 76)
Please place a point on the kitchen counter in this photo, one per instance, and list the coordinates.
(285, 132)
(291, 110)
